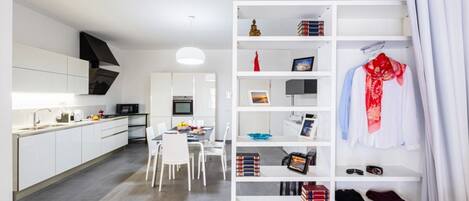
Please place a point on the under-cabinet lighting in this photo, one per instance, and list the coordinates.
(23, 100)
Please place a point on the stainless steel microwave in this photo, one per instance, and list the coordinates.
(183, 105)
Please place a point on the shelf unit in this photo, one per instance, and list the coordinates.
(330, 43)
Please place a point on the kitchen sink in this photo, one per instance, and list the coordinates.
(41, 127)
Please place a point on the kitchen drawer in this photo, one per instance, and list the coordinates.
(116, 123)
(113, 130)
(113, 142)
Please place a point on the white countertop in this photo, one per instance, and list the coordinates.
(23, 133)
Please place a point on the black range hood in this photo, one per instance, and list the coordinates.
(96, 51)
(98, 54)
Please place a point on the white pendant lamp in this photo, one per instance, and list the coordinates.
(190, 55)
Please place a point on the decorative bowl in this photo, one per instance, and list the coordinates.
(259, 136)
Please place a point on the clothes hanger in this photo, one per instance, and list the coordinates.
(373, 50)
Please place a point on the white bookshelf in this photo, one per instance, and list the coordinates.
(335, 14)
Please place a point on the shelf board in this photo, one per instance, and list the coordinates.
(268, 198)
(283, 108)
(283, 75)
(391, 174)
(289, 10)
(354, 42)
(281, 141)
(282, 173)
(282, 42)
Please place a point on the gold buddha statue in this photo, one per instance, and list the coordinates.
(254, 31)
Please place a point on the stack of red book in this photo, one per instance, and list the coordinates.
(311, 28)
(314, 193)
(248, 164)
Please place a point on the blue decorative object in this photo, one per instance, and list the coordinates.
(259, 136)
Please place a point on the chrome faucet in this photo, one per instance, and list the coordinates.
(36, 120)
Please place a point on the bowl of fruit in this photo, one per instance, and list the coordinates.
(182, 126)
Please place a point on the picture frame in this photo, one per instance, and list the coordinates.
(298, 162)
(303, 64)
(309, 126)
(259, 97)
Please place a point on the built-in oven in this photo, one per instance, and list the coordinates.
(183, 105)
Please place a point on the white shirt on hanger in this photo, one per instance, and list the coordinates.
(399, 119)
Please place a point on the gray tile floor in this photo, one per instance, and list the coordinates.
(122, 178)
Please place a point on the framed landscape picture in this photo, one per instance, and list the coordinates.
(309, 126)
(259, 97)
(303, 64)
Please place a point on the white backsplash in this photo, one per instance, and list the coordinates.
(24, 117)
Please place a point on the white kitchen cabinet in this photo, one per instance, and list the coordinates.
(183, 84)
(178, 119)
(68, 149)
(25, 80)
(36, 159)
(78, 67)
(77, 85)
(205, 94)
(161, 96)
(91, 142)
(78, 76)
(38, 59)
(154, 121)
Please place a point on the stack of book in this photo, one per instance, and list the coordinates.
(311, 28)
(312, 192)
(247, 164)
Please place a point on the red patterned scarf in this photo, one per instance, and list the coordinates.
(378, 70)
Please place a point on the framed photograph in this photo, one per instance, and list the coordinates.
(298, 162)
(259, 97)
(309, 126)
(303, 64)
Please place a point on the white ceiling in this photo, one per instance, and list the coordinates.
(145, 24)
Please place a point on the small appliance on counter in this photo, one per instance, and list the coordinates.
(127, 108)
(78, 115)
(64, 117)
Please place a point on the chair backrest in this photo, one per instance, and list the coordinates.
(227, 130)
(161, 129)
(151, 143)
(175, 149)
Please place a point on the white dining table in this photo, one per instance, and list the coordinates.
(193, 140)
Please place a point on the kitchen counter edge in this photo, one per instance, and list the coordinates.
(20, 134)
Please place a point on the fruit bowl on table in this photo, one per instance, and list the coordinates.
(183, 128)
(259, 136)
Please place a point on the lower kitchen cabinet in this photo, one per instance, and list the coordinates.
(36, 159)
(91, 142)
(112, 142)
(68, 149)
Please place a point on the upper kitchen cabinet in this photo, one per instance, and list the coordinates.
(161, 98)
(38, 59)
(183, 84)
(38, 70)
(205, 95)
(78, 75)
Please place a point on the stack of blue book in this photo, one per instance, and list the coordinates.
(311, 28)
(248, 164)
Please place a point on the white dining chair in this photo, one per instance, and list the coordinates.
(152, 148)
(217, 149)
(162, 128)
(175, 151)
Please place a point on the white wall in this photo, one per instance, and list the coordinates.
(35, 29)
(6, 171)
(141, 63)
